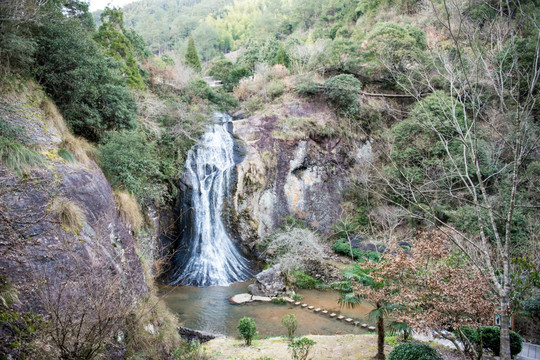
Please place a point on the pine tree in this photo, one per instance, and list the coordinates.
(192, 59)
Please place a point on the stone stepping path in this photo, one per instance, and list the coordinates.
(247, 298)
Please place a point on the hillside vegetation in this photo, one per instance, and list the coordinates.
(435, 106)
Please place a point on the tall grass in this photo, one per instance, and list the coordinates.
(129, 209)
(17, 157)
(70, 215)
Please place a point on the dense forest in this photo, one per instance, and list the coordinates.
(434, 105)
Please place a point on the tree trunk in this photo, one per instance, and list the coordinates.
(505, 326)
(380, 335)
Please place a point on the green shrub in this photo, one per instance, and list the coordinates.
(190, 351)
(412, 351)
(229, 74)
(396, 44)
(297, 297)
(341, 246)
(300, 348)
(342, 90)
(247, 328)
(131, 162)
(17, 157)
(306, 86)
(199, 88)
(275, 89)
(303, 280)
(278, 300)
(491, 340)
(282, 57)
(290, 322)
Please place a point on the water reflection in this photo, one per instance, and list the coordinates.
(209, 310)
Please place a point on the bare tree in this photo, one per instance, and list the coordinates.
(86, 305)
(486, 116)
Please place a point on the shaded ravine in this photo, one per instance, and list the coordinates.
(206, 254)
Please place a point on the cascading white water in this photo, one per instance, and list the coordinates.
(210, 258)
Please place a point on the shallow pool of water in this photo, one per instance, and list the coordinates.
(209, 310)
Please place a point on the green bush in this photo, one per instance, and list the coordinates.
(341, 246)
(229, 74)
(306, 86)
(275, 89)
(300, 348)
(412, 351)
(247, 328)
(491, 340)
(290, 322)
(397, 44)
(131, 162)
(303, 280)
(224, 100)
(342, 90)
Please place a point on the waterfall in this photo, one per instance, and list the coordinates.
(207, 255)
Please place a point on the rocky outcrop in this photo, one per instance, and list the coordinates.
(59, 223)
(269, 283)
(196, 335)
(294, 166)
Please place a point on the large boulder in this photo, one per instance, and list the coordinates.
(269, 282)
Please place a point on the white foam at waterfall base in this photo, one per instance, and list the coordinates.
(212, 259)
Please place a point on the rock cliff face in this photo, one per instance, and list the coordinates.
(293, 167)
(36, 245)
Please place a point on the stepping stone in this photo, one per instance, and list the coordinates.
(310, 307)
(356, 323)
(304, 305)
(317, 309)
(297, 303)
(289, 300)
(348, 320)
(341, 317)
(364, 325)
(332, 315)
(240, 299)
(371, 328)
(261, 298)
(325, 312)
